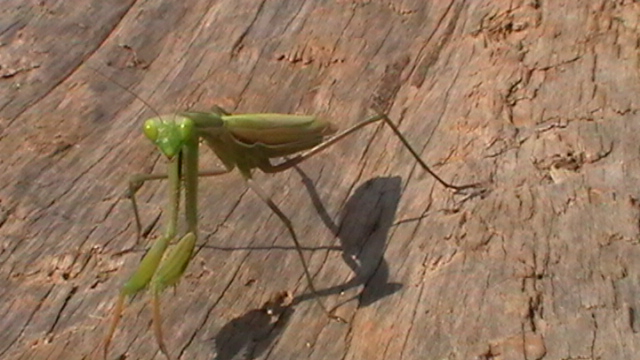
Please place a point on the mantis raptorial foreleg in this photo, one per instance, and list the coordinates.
(176, 260)
(168, 274)
(149, 263)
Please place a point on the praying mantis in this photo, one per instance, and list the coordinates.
(243, 141)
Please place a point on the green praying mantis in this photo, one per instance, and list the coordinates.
(243, 141)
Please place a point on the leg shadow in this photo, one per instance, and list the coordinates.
(250, 335)
(362, 231)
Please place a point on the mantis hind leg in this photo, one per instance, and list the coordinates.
(219, 110)
(285, 220)
(270, 168)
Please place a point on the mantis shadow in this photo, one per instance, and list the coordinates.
(362, 231)
(363, 228)
(250, 335)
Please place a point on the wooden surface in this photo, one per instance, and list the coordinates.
(539, 98)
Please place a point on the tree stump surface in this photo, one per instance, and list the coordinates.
(537, 100)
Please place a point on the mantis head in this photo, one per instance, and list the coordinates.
(169, 136)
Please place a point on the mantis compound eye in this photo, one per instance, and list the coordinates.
(150, 129)
(186, 129)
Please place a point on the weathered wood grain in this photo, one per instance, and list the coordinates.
(538, 98)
